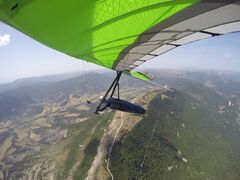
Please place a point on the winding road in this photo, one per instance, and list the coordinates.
(115, 137)
(102, 151)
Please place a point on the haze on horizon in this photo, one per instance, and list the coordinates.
(21, 56)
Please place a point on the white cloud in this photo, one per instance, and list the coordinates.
(227, 55)
(4, 39)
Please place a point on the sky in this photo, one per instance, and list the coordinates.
(21, 56)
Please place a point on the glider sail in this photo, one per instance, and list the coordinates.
(120, 34)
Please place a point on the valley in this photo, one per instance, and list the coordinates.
(52, 132)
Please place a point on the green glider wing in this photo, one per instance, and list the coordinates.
(120, 34)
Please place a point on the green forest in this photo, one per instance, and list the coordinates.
(182, 136)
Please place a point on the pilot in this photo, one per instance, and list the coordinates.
(121, 105)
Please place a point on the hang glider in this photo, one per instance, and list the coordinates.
(120, 34)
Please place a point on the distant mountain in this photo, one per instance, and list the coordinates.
(17, 96)
(223, 82)
(37, 80)
(28, 92)
(18, 99)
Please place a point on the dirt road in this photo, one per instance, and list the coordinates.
(107, 140)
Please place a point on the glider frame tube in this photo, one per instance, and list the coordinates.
(113, 88)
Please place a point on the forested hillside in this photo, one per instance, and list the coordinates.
(191, 135)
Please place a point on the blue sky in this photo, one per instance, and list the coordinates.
(20, 56)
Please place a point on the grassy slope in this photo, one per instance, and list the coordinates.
(89, 134)
(207, 139)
